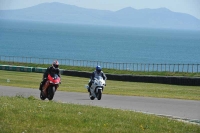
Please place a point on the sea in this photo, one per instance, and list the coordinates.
(98, 42)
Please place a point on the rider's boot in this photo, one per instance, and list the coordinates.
(88, 88)
(40, 88)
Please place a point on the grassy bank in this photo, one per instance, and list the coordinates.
(110, 71)
(76, 84)
(29, 115)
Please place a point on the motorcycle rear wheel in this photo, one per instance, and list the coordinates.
(91, 97)
(42, 97)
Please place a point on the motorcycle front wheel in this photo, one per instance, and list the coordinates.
(51, 92)
(99, 94)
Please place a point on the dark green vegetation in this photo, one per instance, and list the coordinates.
(110, 71)
(76, 84)
(29, 115)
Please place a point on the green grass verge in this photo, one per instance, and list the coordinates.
(110, 71)
(29, 115)
(76, 84)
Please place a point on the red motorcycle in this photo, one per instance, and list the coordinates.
(50, 87)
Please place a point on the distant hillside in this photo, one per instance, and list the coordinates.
(58, 12)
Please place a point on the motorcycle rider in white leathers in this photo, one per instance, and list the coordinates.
(96, 73)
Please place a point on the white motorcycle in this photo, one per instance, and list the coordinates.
(97, 87)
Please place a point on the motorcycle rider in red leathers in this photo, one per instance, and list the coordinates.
(54, 68)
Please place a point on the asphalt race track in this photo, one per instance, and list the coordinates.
(188, 110)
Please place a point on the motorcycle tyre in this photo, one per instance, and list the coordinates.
(51, 92)
(42, 97)
(91, 97)
(99, 94)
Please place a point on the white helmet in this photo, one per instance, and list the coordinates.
(55, 64)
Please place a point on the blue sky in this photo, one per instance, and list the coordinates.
(191, 7)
